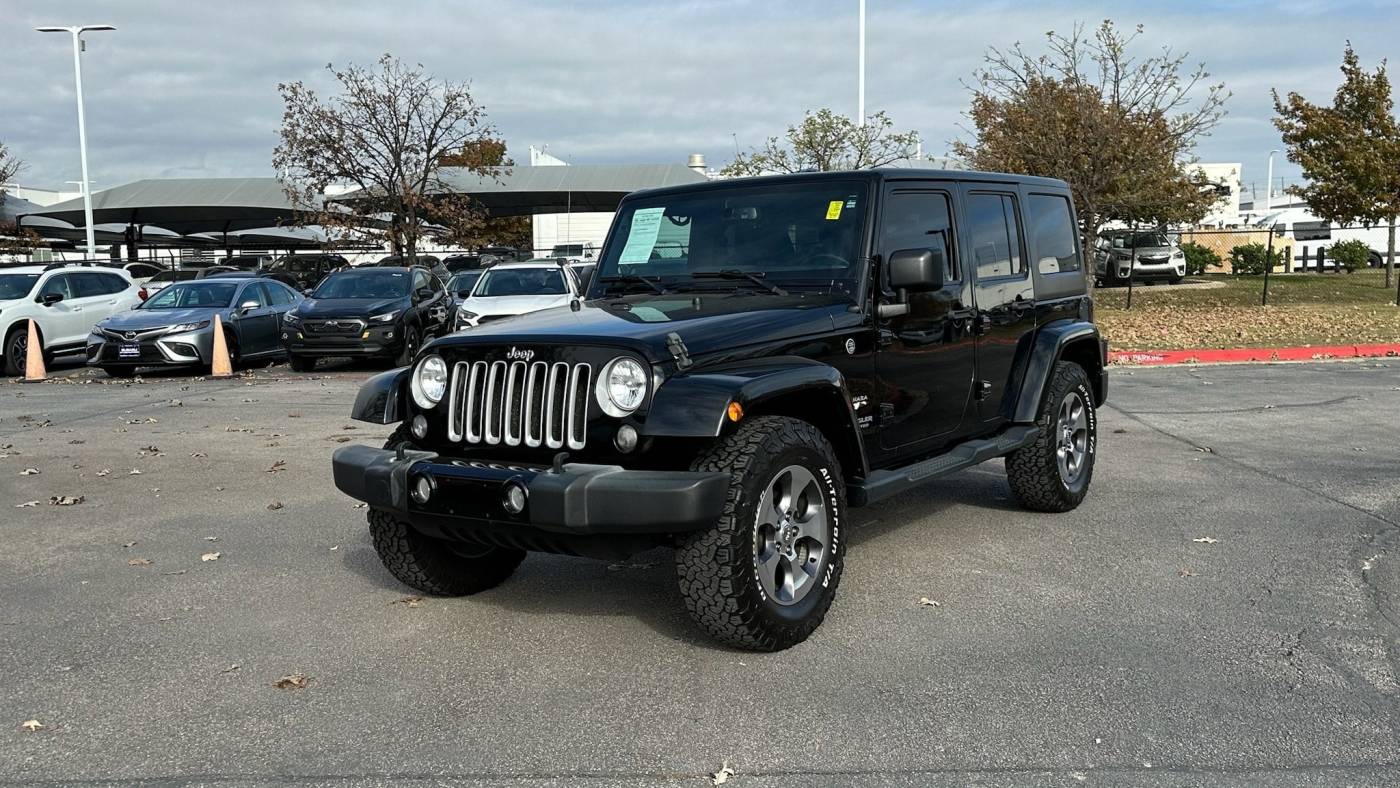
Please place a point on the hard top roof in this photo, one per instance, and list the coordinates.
(875, 175)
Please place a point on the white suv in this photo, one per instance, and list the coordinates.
(65, 302)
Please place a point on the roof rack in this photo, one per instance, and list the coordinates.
(76, 264)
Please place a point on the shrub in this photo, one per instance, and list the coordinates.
(1250, 259)
(1199, 258)
(1350, 255)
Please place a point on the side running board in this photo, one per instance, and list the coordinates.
(883, 484)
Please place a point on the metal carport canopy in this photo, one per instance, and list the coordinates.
(183, 205)
(522, 191)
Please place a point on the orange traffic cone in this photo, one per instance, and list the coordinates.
(34, 371)
(221, 366)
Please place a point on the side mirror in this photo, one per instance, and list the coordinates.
(52, 298)
(464, 293)
(247, 306)
(423, 293)
(307, 292)
(916, 269)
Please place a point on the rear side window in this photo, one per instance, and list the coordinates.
(996, 235)
(279, 293)
(86, 285)
(1051, 229)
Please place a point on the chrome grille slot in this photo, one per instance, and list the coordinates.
(519, 403)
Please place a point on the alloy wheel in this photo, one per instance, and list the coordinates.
(1072, 438)
(792, 535)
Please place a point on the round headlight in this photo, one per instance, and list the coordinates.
(429, 382)
(622, 386)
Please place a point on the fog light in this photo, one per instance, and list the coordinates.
(422, 489)
(626, 438)
(420, 427)
(513, 499)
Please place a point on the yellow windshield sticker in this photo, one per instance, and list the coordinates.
(833, 210)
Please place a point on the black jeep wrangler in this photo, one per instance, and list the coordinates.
(753, 357)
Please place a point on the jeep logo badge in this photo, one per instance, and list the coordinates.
(516, 354)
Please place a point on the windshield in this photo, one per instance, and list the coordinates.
(365, 284)
(1141, 241)
(463, 282)
(568, 250)
(16, 285)
(185, 295)
(520, 282)
(792, 234)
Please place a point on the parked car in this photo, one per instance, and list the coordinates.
(1158, 257)
(505, 253)
(165, 278)
(823, 340)
(511, 289)
(457, 263)
(226, 272)
(583, 274)
(174, 328)
(141, 272)
(63, 300)
(248, 262)
(367, 312)
(307, 270)
(1300, 228)
(575, 253)
(427, 261)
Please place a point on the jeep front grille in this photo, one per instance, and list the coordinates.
(517, 402)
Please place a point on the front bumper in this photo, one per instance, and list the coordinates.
(575, 499)
(370, 341)
(153, 349)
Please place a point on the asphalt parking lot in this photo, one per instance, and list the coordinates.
(1222, 610)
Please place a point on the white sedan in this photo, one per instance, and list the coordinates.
(511, 289)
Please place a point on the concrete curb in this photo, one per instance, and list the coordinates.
(1239, 355)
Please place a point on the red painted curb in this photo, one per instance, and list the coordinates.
(1236, 355)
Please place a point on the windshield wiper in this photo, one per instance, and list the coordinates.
(654, 284)
(730, 273)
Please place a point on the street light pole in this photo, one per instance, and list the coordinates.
(76, 32)
(860, 78)
(1269, 185)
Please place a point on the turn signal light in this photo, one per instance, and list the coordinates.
(735, 412)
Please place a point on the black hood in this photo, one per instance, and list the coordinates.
(706, 322)
(349, 307)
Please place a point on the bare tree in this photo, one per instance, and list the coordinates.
(9, 168)
(482, 229)
(1119, 129)
(385, 134)
(826, 141)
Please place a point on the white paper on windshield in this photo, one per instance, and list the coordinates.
(641, 239)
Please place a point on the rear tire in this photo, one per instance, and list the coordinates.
(763, 577)
(1053, 473)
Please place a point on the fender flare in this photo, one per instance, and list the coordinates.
(380, 399)
(1049, 347)
(696, 405)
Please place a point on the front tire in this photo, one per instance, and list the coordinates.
(120, 372)
(16, 349)
(301, 363)
(410, 346)
(763, 577)
(436, 566)
(1053, 473)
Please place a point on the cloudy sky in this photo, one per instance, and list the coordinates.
(185, 89)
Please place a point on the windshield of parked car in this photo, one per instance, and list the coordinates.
(16, 285)
(462, 283)
(378, 283)
(1141, 241)
(520, 282)
(298, 264)
(173, 276)
(186, 295)
(794, 234)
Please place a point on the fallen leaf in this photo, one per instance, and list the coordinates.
(133, 472)
(29, 472)
(210, 556)
(333, 549)
(360, 505)
(104, 471)
(1119, 431)
(129, 545)
(26, 504)
(176, 572)
(1205, 539)
(274, 506)
(926, 602)
(198, 454)
(32, 725)
(341, 438)
(722, 776)
(139, 562)
(231, 668)
(211, 538)
(408, 601)
(1184, 572)
(280, 465)
(1205, 449)
(66, 500)
(294, 681)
